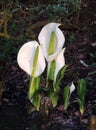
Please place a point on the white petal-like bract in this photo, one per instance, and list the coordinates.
(26, 55)
(44, 39)
(72, 88)
(60, 62)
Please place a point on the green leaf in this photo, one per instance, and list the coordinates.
(34, 87)
(52, 70)
(79, 101)
(54, 97)
(66, 94)
(33, 92)
(52, 44)
(81, 105)
(59, 77)
(36, 99)
(81, 89)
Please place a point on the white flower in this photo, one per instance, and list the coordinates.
(26, 55)
(72, 88)
(45, 37)
(60, 63)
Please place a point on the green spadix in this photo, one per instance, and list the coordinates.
(52, 44)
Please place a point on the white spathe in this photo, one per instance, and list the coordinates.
(72, 88)
(60, 63)
(44, 39)
(26, 55)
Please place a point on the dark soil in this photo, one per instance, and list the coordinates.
(80, 56)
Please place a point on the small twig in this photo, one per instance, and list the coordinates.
(78, 13)
(75, 26)
(4, 35)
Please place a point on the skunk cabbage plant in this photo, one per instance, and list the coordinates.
(33, 57)
(51, 39)
(81, 91)
(66, 95)
(30, 58)
(56, 70)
